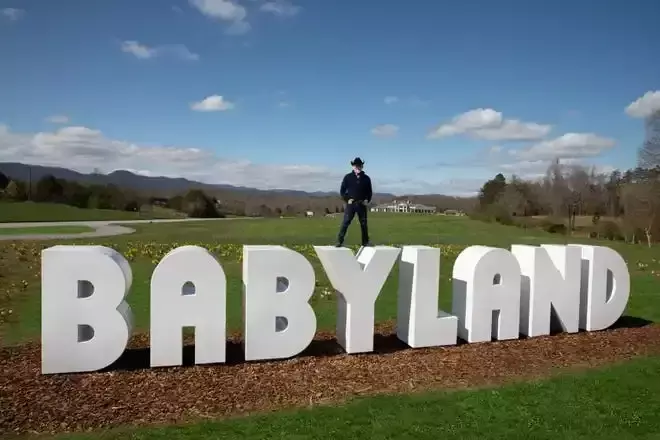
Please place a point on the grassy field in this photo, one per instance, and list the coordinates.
(46, 230)
(55, 212)
(151, 242)
(616, 402)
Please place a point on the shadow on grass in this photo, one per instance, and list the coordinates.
(631, 322)
(138, 358)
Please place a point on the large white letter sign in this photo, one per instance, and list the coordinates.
(85, 322)
(550, 287)
(419, 321)
(188, 289)
(278, 283)
(486, 294)
(358, 283)
(605, 287)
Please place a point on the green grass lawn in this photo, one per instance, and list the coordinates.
(617, 402)
(152, 242)
(55, 212)
(46, 230)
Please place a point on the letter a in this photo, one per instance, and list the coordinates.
(188, 289)
(486, 294)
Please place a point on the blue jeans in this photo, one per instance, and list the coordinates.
(350, 211)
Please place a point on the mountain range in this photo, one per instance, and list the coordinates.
(153, 185)
(167, 187)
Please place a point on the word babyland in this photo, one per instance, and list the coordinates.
(497, 293)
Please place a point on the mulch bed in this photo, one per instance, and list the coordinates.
(131, 393)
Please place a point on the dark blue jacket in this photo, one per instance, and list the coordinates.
(356, 187)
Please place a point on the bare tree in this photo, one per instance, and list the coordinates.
(557, 189)
(642, 199)
(612, 189)
(641, 202)
(649, 154)
(512, 198)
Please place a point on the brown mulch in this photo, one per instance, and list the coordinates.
(131, 393)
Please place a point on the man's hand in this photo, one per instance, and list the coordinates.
(350, 201)
(365, 203)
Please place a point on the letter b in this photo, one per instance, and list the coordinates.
(85, 322)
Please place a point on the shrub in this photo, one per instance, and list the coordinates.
(500, 214)
(554, 226)
(528, 222)
(481, 216)
(197, 204)
(609, 230)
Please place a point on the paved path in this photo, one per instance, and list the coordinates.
(103, 228)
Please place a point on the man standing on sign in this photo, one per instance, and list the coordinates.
(356, 192)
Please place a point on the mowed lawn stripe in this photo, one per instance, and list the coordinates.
(45, 230)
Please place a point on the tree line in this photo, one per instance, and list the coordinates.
(194, 203)
(126, 192)
(623, 205)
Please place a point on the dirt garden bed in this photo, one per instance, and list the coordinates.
(131, 393)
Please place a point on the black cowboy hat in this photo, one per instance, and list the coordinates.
(357, 161)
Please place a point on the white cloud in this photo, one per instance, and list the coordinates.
(222, 9)
(571, 149)
(281, 8)
(536, 169)
(461, 187)
(213, 103)
(412, 101)
(533, 161)
(644, 106)
(238, 28)
(58, 119)
(12, 14)
(415, 101)
(143, 51)
(85, 150)
(137, 49)
(385, 130)
(225, 10)
(486, 123)
(566, 146)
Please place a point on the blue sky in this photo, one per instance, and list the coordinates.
(306, 85)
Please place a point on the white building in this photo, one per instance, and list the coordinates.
(405, 207)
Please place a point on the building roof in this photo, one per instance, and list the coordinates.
(395, 203)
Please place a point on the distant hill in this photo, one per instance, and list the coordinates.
(168, 187)
(127, 179)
